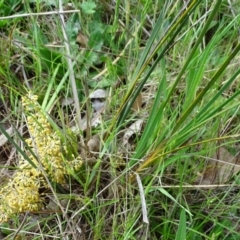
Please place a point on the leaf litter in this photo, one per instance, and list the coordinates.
(220, 168)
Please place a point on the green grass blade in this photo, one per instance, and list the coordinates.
(18, 148)
(163, 191)
(49, 89)
(192, 53)
(169, 38)
(209, 85)
(181, 232)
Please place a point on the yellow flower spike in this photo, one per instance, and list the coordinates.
(22, 191)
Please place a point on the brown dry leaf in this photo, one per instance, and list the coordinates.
(67, 101)
(82, 40)
(94, 143)
(137, 103)
(98, 94)
(98, 99)
(95, 121)
(3, 139)
(98, 105)
(222, 167)
(134, 128)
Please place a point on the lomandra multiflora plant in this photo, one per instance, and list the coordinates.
(45, 161)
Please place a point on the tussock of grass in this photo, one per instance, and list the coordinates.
(113, 178)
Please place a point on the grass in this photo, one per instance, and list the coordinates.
(172, 176)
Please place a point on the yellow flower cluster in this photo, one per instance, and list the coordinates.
(22, 192)
(19, 195)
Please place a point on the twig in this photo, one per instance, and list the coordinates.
(21, 226)
(143, 200)
(207, 186)
(37, 14)
(72, 77)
